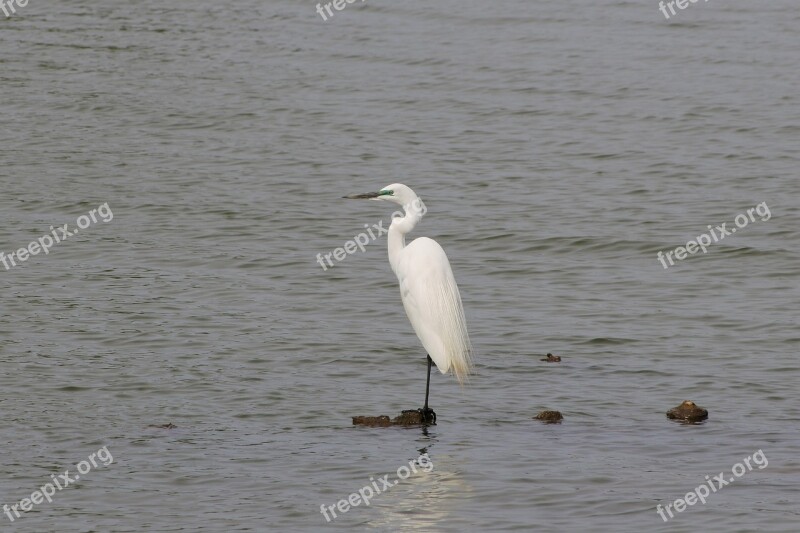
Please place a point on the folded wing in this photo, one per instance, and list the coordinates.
(433, 305)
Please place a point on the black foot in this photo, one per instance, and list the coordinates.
(427, 415)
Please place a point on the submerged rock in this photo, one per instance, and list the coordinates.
(372, 421)
(407, 418)
(549, 417)
(552, 358)
(688, 411)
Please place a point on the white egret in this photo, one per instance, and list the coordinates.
(428, 290)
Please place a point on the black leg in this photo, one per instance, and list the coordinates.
(428, 383)
(427, 414)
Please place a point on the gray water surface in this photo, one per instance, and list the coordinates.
(558, 147)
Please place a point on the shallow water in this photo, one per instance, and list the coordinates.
(558, 147)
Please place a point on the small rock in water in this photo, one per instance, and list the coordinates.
(406, 418)
(372, 421)
(549, 417)
(163, 426)
(688, 411)
(552, 358)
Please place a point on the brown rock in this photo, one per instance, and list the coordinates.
(372, 421)
(549, 417)
(688, 411)
(408, 418)
(411, 417)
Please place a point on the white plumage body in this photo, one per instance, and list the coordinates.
(433, 304)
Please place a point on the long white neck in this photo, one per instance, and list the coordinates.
(401, 226)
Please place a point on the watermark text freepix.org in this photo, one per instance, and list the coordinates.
(362, 239)
(4, 8)
(702, 242)
(713, 485)
(682, 4)
(60, 482)
(338, 5)
(365, 494)
(44, 243)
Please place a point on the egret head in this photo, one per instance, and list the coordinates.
(396, 193)
(399, 194)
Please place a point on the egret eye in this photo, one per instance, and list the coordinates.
(386, 193)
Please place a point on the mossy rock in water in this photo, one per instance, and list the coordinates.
(408, 418)
(372, 421)
(688, 411)
(163, 426)
(405, 419)
(549, 417)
